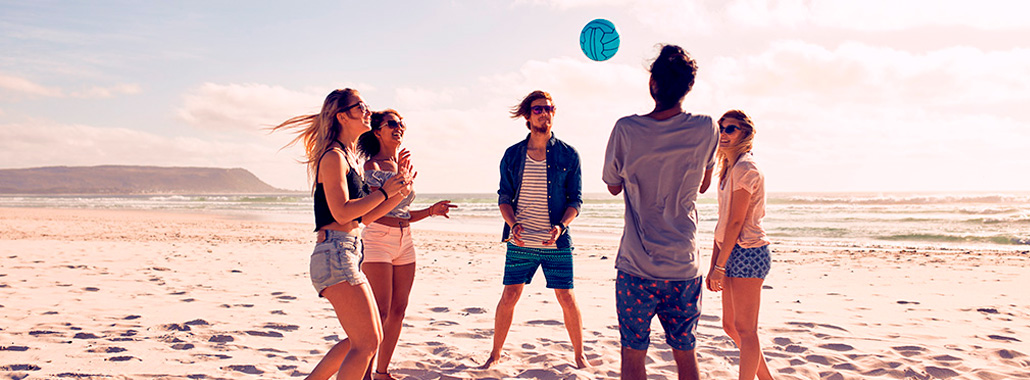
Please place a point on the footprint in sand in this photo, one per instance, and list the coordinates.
(837, 347)
(781, 341)
(21, 367)
(85, 336)
(1004, 338)
(183, 346)
(440, 309)
(221, 339)
(267, 334)
(123, 358)
(107, 350)
(247, 369)
(197, 322)
(940, 373)
(795, 349)
(280, 326)
(474, 310)
(175, 327)
(131, 317)
(14, 348)
(545, 322)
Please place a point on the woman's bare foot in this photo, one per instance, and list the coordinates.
(493, 359)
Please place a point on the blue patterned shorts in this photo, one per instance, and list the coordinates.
(677, 304)
(520, 264)
(748, 262)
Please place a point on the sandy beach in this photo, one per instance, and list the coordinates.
(150, 295)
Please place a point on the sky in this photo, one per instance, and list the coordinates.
(871, 96)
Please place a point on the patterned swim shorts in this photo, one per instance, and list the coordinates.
(677, 304)
(749, 262)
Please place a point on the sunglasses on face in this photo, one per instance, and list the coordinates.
(361, 106)
(729, 129)
(541, 109)
(393, 124)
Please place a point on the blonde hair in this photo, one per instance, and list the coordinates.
(728, 156)
(319, 131)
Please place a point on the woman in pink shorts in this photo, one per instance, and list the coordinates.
(389, 260)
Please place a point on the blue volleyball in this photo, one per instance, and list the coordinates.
(599, 39)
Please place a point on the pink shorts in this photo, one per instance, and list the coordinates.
(385, 244)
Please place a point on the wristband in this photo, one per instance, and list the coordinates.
(563, 228)
(721, 269)
(385, 195)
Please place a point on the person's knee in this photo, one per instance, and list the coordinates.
(398, 309)
(729, 327)
(745, 329)
(509, 297)
(565, 297)
(366, 348)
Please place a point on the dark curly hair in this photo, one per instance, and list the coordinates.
(672, 76)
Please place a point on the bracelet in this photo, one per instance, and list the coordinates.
(721, 269)
(385, 195)
(563, 228)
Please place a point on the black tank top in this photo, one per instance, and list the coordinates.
(355, 187)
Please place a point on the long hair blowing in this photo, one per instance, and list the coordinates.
(320, 130)
(728, 156)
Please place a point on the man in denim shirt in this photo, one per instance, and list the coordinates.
(540, 195)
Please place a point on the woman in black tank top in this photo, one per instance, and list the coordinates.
(341, 203)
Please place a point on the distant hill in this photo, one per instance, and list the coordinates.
(114, 179)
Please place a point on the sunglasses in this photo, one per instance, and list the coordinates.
(361, 105)
(393, 124)
(729, 129)
(541, 109)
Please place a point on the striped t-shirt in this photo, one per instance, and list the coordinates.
(532, 205)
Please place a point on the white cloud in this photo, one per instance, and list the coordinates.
(861, 117)
(872, 15)
(24, 87)
(246, 107)
(108, 92)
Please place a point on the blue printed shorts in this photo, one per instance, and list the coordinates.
(677, 304)
(749, 262)
(520, 264)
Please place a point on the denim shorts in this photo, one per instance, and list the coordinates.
(677, 304)
(749, 262)
(520, 264)
(337, 259)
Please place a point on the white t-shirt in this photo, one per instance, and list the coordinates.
(744, 175)
(660, 165)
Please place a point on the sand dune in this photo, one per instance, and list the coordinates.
(145, 295)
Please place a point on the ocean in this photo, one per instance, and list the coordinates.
(973, 220)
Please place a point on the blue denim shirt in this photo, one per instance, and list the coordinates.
(564, 182)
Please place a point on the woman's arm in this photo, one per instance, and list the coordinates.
(333, 178)
(740, 200)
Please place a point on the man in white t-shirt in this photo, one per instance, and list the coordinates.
(660, 161)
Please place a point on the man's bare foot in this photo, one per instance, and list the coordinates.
(491, 361)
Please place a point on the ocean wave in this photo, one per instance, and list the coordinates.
(903, 199)
(943, 238)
